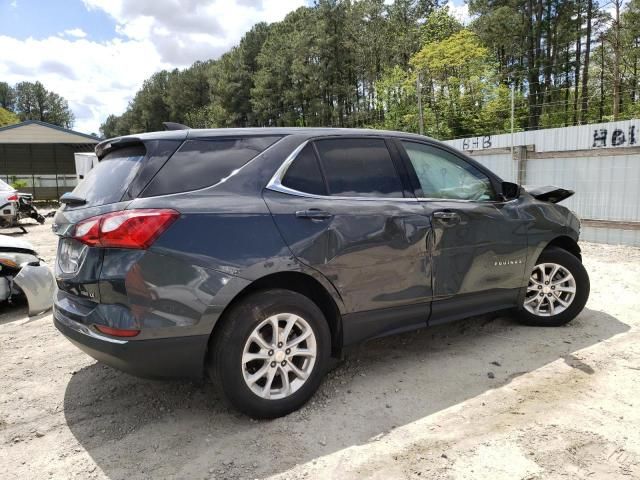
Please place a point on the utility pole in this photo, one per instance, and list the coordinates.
(513, 111)
(420, 112)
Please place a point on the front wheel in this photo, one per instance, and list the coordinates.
(270, 353)
(557, 291)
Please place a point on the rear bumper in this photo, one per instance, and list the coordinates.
(175, 357)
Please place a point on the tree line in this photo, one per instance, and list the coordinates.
(32, 101)
(364, 63)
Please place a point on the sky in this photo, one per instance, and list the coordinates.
(97, 53)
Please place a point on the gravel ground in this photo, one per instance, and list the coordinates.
(481, 398)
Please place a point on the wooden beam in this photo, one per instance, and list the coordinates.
(621, 225)
(592, 152)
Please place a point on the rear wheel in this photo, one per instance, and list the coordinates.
(271, 353)
(557, 290)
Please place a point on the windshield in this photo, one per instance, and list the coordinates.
(109, 180)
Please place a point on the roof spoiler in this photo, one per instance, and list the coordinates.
(107, 146)
(175, 126)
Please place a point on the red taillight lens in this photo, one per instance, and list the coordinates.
(117, 332)
(126, 229)
(13, 198)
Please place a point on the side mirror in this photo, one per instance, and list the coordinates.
(510, 191)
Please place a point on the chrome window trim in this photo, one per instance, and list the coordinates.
(275, 184)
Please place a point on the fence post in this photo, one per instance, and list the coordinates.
(520, 157)
(33, 175)
(55, 163)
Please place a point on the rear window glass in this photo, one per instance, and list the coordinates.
(202, 163)
(359, 167)
(107, 182)
(304, 173)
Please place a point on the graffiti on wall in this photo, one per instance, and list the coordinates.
(614, 137)
(606, 136)
(476, 143)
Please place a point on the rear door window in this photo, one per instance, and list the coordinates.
(203, 163)
(358, 167)
(304, 173)
(107, 182)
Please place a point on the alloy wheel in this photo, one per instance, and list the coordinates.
(551, 290)
(279, 356)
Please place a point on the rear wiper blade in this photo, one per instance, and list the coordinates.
(70, 199)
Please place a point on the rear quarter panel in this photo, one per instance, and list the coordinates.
(224, 239)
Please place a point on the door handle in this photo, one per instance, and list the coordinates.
(446, 217)
(313, 214)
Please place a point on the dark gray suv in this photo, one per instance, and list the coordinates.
(255, 255)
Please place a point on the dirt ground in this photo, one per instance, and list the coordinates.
(481, 398)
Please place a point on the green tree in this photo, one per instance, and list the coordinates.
(34, 102)
(438, 26)
(7, 96)
(405, 17)
(7, 118)
(396, 96)
(460, 79)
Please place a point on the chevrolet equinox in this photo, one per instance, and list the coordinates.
(256, 255)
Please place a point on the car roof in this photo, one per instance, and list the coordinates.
(256, 131)
(305, 131)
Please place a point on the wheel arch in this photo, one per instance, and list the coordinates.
(566, 243)
(304, 284)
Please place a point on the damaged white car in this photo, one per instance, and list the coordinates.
(23, 273)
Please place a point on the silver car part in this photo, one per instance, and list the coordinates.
(5, 289)
(38, 285)
(551, 290)
(7, 242)
(16, 259)
(279, 356)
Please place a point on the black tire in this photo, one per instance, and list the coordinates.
(575, 267)
(224, 362)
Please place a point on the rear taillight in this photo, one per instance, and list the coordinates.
(13, 198)
(117, 332)
(126, 229)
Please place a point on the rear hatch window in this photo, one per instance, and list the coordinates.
(109, 180)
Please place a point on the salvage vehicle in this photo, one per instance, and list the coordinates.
(24, 274)
(14, 206)
(256, 255)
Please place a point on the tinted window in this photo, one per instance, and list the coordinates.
(107, 182)
(202, 163)
(304, 173)
(358, 167)
(444, 175)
